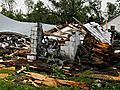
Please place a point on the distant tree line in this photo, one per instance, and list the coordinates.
(61, 11)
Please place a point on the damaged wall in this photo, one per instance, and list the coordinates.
(76, 34)
(114, 22)
(70, 47)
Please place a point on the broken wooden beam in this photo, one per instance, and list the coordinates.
(51, 34)
(3, 75)
(8, 68)
(45, 80)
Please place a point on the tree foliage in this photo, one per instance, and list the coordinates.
(111, 10)
(38, 14)
(8, 8)
(67, 9)
(60, 11)
(9, 4)
(29, 4)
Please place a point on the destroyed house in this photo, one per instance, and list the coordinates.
(70, 36)
(61, 40)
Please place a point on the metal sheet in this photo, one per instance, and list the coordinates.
(10, 25)
(98, 32)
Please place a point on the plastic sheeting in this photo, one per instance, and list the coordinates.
(10, 25)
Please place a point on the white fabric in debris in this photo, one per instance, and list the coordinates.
(10, 25)
(98, 32)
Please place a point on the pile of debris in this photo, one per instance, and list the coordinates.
(66, 38)
(75, 47)
(37, 79)
(13, 40)
(49, 81)
(87, 45)
(13, 44)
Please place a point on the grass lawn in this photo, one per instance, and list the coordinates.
(8, 84)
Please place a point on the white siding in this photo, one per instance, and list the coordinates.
(70, 47)
(115, 22)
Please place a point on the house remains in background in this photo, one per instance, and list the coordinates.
(68, 37)
(114, 22)
(76, 47)
(61, 40)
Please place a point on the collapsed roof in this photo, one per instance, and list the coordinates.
(92, 28)
(98, 32)
(70, 36)
(10, 25)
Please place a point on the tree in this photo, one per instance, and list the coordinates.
(9, 4)
(39, 13)
(111, 10)
(19, 15)
(117, 4)
(62, 11)
(29, 4)
(8, 8)
(95, 9)
(67, 9)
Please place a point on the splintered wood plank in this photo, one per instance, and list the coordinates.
(3, 75)
(51, 83)
(8, 68)
(46, 80)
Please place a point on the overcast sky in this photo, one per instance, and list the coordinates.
(104, 3)
(20, 3)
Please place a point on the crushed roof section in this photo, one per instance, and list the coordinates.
(98, 32)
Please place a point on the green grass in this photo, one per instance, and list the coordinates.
(8, 84)
(6, 71)
(108, 86)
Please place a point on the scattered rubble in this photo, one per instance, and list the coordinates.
(13, 40)
(45, 80)
(73, 47)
